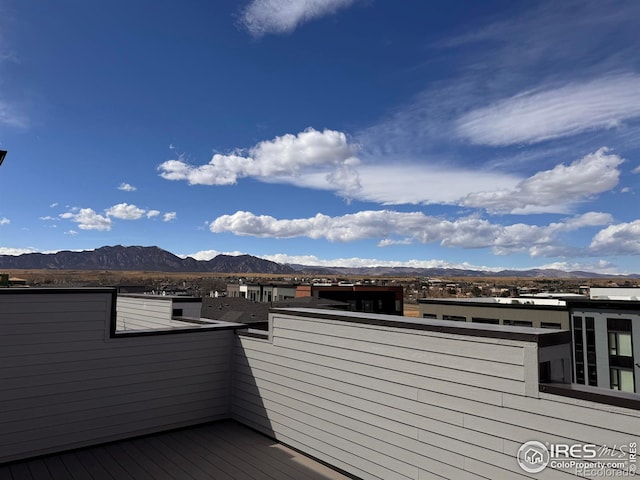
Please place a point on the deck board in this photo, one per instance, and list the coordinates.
(222, 451)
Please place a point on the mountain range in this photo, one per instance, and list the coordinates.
(141, 258)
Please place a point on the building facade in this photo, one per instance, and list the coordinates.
(606, 343)
(521, 312)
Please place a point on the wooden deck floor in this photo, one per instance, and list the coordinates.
(220, 451)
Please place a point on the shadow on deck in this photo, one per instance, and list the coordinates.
(221, 451)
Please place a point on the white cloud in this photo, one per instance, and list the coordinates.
(53, 205)
(356, 262)
(16, 251)
(286, 156)
(261, 17)
(620, 239)
(556, 189)
(88, 219)
(539, 115)
(152, 213)
(4, 221)
(125, 187)
(411, 227)
(169, 216)
(124, 211)
(600, 266)
(49, 218)
(209, 254)
(636, 170)
(71, 233)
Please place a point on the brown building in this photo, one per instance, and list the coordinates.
(360, 298)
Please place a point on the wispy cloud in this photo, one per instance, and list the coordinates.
(540, 115)
(262, 17)
(555, 70)
(169, 216)
(10, 116)
(4, 221)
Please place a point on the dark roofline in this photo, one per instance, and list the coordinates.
(543, 337)
(56, 290)
(605, 304)
(593, 394)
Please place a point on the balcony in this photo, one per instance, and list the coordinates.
(372, 396)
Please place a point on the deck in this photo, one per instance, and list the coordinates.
(222, 451)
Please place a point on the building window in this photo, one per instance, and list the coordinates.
(429, 315)
(620, 344)
(590, 333)
(620, 354)
(550, 325)
(518, 323)
(621, 379)
(177, 312)
(491, 321)
(578, 349)
(455, 318)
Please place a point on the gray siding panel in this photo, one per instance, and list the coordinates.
(66, 384)
(381, 402)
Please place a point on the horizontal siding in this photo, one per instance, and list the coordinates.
(395, 403)
(143, 314)
(420, 340)
(65, 383)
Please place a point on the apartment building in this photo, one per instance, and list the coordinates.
(260, 292)
(521, 312)
(355, 298)
(606, 343)
(359, 298)
(334, 395)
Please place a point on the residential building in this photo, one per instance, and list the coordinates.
(523, 312)
(355, 298)
(606, 343)
(259, 292)
(374, 396)
(360, 298)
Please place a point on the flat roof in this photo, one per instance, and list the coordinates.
(515, 302)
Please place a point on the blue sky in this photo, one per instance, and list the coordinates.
(495, 134)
